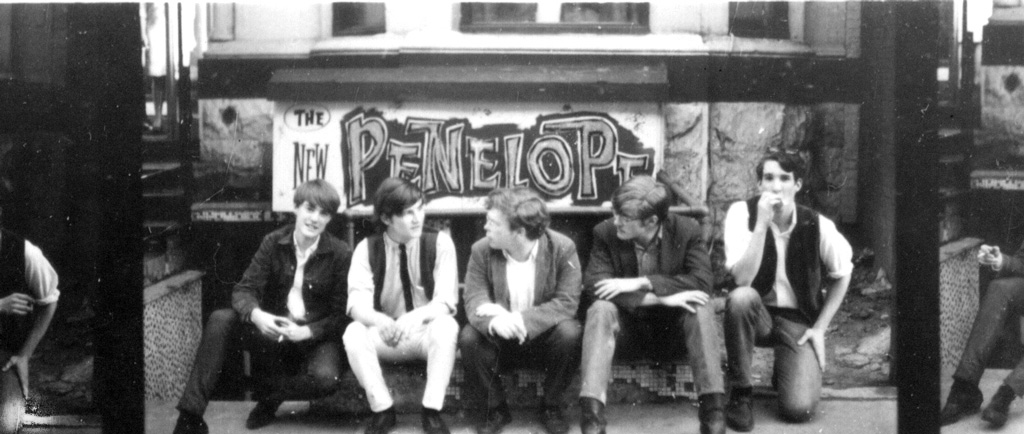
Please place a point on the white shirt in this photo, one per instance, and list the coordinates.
(40, 276)
(835, 252)
(297, 307)
(392, 299)
(521, 278)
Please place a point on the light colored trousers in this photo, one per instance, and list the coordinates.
(434, 342)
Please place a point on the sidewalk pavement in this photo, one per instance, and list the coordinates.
(990, 382)
(853, 411)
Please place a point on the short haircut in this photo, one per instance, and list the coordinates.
(317, 192)
(789, 162)
(641, 197)
(393, 196)
(522, 207)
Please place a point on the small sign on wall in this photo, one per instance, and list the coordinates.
(457, 152)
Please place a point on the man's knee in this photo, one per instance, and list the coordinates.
(797, 408)
(355, 336)
(567, 334)
(444, 330)
(742, 300)
(222, 319)
(603, 314)
(1004, 288)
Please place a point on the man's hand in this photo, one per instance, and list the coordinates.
(991, 256)
(391, 333)
(16, 304)
(297, 333)
(817, 339)
(686, 299)
(607, 289)
(490, 309)
(270, 325)
(769, 205)
(21, 364)
(509, 327)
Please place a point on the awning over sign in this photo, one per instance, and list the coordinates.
(513, 83)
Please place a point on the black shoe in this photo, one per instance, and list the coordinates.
(712, 413)
(189, 423)
(592, 416)
(382, 422)
(964, 399)
(553, 420)
(262, 415)
(432, 422)
(739, 413)
(998, 408)
(494, 420)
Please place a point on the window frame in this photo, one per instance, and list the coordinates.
(358, 30)
(642, 27)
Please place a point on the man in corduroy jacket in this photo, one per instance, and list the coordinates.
(522, 292)
(648, 285)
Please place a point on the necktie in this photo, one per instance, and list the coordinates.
(403, 268)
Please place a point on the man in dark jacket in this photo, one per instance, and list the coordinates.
(522, 292)
(649, 279)
(1003, 303)
(778, 252)
(288, 310)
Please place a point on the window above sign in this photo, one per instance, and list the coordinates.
(555, 17)
(364, 18)
(767, 20)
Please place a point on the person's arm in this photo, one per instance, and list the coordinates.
(360, 290)
(248, 292)
(563, 304)
(836, 255)
(600, 269)
(446, 282)
(695, 273)
(478, 287)
(1011, 265)
(42, 279)
(744, 249)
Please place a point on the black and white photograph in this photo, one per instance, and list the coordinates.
(512, 217)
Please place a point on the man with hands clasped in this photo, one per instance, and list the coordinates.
(779, 252)
(287, 310)
(1003, 302)
(403, 289)
(522, 292)
(648, 284)
(28, 299)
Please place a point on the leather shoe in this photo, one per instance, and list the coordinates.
(554, 420)
(964, 399)
(739, 414)
(495, 420)
(432, 422)
(262, 415)
(189, 423)
(382, 422)
(712, 413)
(592, 416)
(998, 408)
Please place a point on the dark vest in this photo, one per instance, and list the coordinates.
(803, 261)
(13, 329)
(378, 263)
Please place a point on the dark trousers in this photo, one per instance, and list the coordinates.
(485, 357)
(659, 332)
(797, 376)
(286, 370)
(12, 400)
(1003, 302)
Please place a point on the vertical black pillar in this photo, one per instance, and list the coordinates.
(105, 76)
(917, 210)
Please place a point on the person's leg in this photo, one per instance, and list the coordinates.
(213, 348)
(599, 338)
(438, 346)
(361, 345)
(704, 352)
(480, 363)
(12, 401)
(1004, 300)
(318, 376)
(561, 348)
(797, 372)
(746, 322)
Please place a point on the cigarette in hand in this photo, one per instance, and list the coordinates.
(280, 338)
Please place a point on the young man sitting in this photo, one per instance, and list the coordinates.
(522, 291)
(403, 288)
(287, 310)
(649, 280)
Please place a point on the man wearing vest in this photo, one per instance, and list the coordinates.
(288, 310)
(778, 252)
(1002, 304)
(649, 280)
(403, 288)
(28, 299)
(522, 292)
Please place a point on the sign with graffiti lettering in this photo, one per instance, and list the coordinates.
(456, 154)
